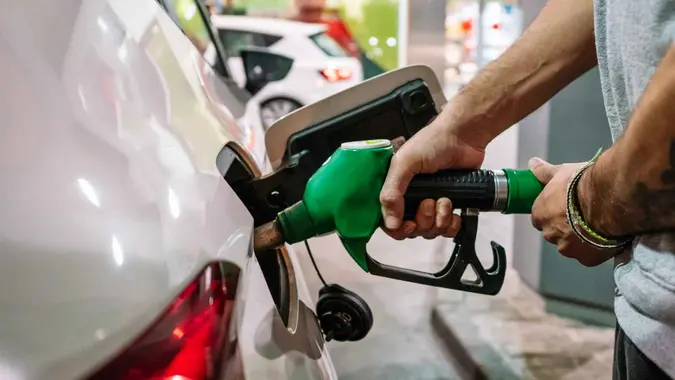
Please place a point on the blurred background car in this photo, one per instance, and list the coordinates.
(340, 32)
(318, 65)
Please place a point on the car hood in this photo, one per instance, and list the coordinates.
(111, 201)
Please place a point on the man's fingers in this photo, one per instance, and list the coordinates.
(542, 169)
(433, 219)
(535, 218)
(443, 214)
(539, 212)
(407, 230)
(401, 172)
(397, 143)
(426, 216)
(455, 224)
(442, 220)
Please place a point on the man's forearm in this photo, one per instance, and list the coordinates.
(556, 49)
(630, 190)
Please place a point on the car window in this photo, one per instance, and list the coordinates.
(328, 45)
(269, 39)
(189, 16)
(234, 40)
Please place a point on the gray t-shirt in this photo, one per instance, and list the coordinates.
(632, 36)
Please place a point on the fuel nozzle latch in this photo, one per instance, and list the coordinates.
(343, 197)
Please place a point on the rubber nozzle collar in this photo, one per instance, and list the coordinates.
(296, 223)
(524, 188)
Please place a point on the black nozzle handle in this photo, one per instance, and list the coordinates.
(489, 280)
(466, 188)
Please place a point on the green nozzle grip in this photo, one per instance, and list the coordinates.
(524, 188)
(342, 196)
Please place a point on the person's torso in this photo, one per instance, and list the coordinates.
(632, 37)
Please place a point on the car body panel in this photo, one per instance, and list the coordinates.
(267, 25)
(111, 199)
(305, 85)
(274, 352)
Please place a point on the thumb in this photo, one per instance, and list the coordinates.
(401, 172)
(541, 169)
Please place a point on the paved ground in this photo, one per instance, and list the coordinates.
(401, 344)
(511, 337)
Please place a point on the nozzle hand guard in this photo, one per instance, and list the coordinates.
(488, 281)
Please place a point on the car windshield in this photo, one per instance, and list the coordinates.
(328, 45)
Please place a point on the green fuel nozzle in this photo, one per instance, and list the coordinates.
(343, 197)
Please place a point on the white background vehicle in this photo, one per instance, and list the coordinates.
(320, 67)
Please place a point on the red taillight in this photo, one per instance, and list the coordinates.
(191, 340)
(466, 26)
(334, 75)
(495, 26)
(339, 32)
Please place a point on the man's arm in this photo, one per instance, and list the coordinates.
(554, 50)
(630, 190)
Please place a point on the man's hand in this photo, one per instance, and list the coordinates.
(432, 149)
(549, 213)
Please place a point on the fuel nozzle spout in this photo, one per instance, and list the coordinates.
(292, 225)
(268, 236)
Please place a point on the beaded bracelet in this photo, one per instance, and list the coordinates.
(575, 220)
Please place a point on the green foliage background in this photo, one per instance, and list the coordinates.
(263, 4)
(379, 19)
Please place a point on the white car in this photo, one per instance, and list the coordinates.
(126, 254)
(318, 66)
